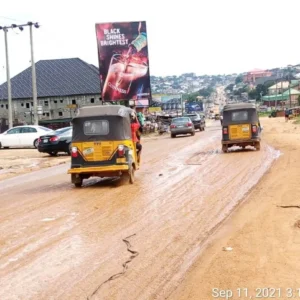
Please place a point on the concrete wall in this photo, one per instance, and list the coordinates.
(53, 108)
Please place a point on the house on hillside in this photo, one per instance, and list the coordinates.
(295, 84)
(278, 88)
(288, 98)
(253, 75)
(63, 85)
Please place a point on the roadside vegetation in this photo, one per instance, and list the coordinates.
(297, 120)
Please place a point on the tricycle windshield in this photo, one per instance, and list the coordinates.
(241, 115)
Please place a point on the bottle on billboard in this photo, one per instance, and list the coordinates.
(139, 43)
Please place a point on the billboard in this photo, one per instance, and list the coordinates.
(193, 107)
(123, 62)
(167, 102)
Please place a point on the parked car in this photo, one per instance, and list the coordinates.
(182, 125)
(61, 130)
(22, 136)
(198, 121)
(56, 141)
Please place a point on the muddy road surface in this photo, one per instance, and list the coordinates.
(119, 241)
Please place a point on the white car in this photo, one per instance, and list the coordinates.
(22, 136)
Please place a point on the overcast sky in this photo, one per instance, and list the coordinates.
(200, 36)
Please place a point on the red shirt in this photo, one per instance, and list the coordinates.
(134, 128)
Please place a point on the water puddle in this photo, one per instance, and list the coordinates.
(47, 219)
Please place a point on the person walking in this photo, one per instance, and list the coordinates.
(286, 114)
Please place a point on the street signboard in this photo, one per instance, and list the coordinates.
(72, 106)
(40, 110)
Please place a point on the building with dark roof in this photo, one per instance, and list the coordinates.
(62, 86)
(266, 80)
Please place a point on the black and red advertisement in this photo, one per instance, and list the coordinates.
(124, 62)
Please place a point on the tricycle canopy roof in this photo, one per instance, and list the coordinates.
(102, 123)
(237, 106)
(104, 110)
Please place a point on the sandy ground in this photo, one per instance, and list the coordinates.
(265, 238)
(14, 162)
(110, 240)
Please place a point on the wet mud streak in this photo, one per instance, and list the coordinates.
(134, 254)
(289, 206)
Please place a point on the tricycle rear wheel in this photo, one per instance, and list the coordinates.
(77, 180)
(225, 148)
(257, 146)
(131, 175)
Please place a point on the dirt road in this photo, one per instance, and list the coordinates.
(112, 241)
(264, 234)
(14, 162)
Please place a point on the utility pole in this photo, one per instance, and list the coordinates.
(276, 91)
(181, 104)
(290, 88)
(34, 89)
(10, 119)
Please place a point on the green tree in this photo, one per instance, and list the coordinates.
(269, 83)
(230, 87)
(206, 92)
(240, 91)
(261, 89)
(239, 79)
(191, 97)
(252, 94)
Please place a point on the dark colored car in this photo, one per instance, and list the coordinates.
(182, 125)
(56, 141)
(198, 121)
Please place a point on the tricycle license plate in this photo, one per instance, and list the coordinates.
(245, 129)
(88, 151)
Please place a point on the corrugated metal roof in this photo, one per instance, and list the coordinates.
(278, 97)
(55, 78)
(281, 84)
(292, 92)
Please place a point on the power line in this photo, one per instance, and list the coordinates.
(11, 19)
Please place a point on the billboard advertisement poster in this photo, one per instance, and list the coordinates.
(167, 102)
(154, 109)
(123, 61)
(193, 107)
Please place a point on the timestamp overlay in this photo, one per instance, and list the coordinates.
(256, 293)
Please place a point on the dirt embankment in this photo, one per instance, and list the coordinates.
(15, 162)
(264, 234)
